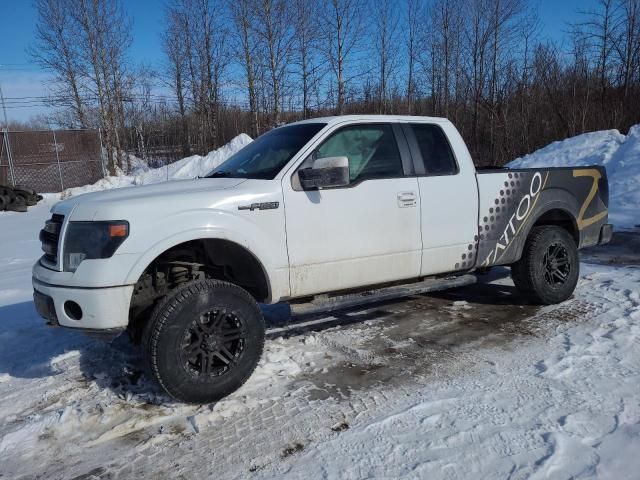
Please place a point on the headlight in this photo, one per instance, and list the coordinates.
(87, 240)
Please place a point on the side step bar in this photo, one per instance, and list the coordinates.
(330, 304)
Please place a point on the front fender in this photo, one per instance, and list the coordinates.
(261, 234)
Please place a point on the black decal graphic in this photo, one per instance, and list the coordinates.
(595, 175)
(498, 227)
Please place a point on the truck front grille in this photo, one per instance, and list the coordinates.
(50, 237)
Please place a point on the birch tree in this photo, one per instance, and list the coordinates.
(57, 51)
(305, 46)
(275, 35)
(242, 12)
(342, 24)
(386, 29)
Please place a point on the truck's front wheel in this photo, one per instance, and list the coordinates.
(204, 340)
(548, 270)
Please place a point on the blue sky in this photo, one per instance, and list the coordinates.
(17, 22)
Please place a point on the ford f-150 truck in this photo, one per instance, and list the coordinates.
(307, 213)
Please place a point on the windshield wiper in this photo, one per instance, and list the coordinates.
(218, 174)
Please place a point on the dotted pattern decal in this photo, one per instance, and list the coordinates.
(468, 258)
(493, 222)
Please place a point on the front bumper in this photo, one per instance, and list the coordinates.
(90, 309)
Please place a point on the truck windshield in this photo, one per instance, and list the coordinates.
(268, 154)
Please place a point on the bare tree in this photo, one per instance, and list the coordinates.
(141, 107)
(386, 26)
(504, 25)
(442, 52)
(56, 50)
(598, 30)
(478, 33)
(627, 44)
(305, 45)
(342, 23)
(273, 28)
(175, 48)
(104, 34)
(528, 31)
(197, 48)
(243, 18)
(413, 32)
(478, 62)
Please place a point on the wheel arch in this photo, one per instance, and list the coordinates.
(560, 217)
(558, 207)
(212, 241)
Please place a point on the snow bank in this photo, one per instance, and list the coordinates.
(619, 154)
(186, 168)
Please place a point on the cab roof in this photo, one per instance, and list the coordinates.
(370, 118)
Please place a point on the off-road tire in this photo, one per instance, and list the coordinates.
(28, 194)
(18, 204)
(8, 192)
(538, 278)
(175, 329)
(22, 188)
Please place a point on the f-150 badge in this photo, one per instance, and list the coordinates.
(260, 206)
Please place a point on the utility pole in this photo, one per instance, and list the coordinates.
(6, 137)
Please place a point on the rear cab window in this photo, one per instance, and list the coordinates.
(434, 148)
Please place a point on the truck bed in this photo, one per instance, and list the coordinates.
(513, 200)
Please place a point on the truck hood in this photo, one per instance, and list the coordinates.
(87, 206)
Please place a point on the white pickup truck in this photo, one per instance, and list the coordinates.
(322, 208)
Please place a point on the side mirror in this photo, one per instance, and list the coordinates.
(325, 172)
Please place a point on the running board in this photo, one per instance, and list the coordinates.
(341, 302)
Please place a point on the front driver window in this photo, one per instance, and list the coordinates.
(371, 149)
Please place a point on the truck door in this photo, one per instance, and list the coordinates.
(448, 197)
(365, 233)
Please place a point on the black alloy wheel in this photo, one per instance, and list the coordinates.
(557, 265)
(213, 343)
(549, 267)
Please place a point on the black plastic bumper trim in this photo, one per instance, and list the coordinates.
(45, 307)
(606, 233)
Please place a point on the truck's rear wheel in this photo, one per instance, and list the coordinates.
(548, 270)
(204, 340)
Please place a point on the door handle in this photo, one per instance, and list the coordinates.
(407, 199)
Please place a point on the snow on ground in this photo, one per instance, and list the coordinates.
(619, 154)
(471, 383)
(189, 167)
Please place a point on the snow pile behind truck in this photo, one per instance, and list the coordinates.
(618, 153)
(189, 167)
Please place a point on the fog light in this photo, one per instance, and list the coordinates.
(74, 261)
(73, 310)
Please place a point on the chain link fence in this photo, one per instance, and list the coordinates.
(50, 160)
